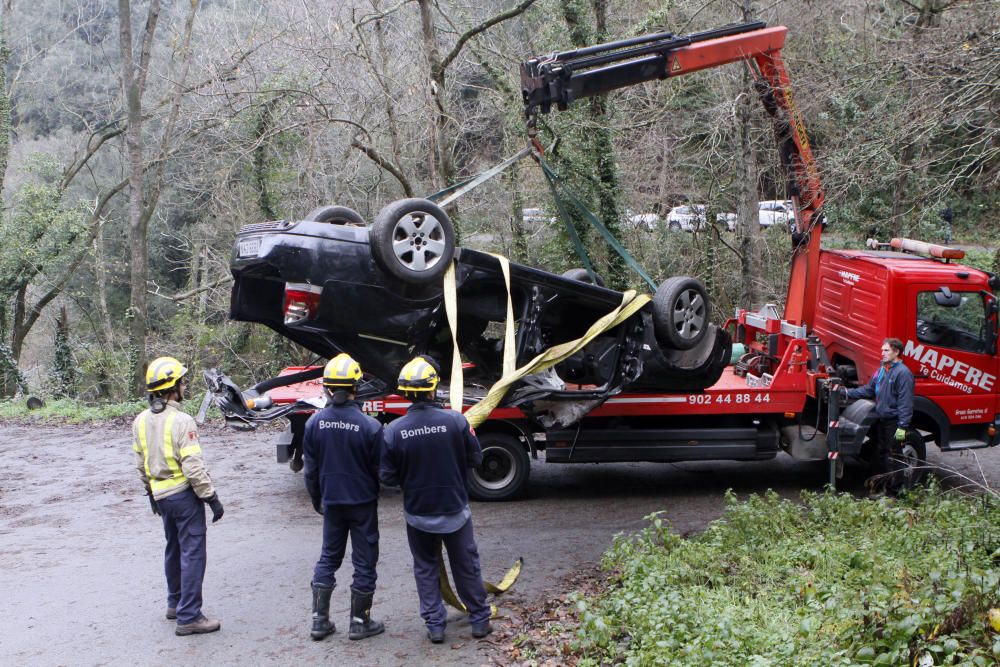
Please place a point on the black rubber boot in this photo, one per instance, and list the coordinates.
(362, 624)
(322, 626)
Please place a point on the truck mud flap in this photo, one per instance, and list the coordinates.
(284, 445)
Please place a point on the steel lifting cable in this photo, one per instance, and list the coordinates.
(444, 197)
(561, 191)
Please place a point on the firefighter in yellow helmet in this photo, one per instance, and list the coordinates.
(340, 449)
(428, 452)
(168, 458)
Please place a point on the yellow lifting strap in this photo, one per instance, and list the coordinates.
(448, 593)
(456, 391)
(631, 303)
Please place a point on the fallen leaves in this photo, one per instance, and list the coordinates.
(542, 631)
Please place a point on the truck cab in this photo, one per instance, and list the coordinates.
(946, 316)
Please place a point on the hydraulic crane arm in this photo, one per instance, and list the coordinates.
(562, 78)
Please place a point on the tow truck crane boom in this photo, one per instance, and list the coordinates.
(562, 78)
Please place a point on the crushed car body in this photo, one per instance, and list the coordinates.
(332, 284)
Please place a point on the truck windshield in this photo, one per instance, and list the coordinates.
(961, 327)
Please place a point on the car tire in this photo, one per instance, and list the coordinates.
(680, 313)
(583, 276)
(504, 470)
(337, 215)
(674, 226)
(413, 240)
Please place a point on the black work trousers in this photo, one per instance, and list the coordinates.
(889, 453)
(361, 523)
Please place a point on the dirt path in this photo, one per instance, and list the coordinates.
(82, 579)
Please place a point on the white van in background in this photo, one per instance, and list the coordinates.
(776, 212)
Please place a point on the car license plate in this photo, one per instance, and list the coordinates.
(249, 247)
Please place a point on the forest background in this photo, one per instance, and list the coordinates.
(136, 138)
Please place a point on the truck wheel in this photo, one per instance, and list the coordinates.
(583, 276)
(504, 470)
(337, 215)
(680, 313)
(914, 459)
(413, 240)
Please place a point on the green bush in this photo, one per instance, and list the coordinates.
(830, 581)
(72, 411)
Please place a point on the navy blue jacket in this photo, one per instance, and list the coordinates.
(428, 451)
(892, 389)
(340, 450)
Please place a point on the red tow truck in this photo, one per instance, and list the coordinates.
(840, 305)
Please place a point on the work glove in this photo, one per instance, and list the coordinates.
(900, 434)
(318, 505)
(152, 503)
(216, 505)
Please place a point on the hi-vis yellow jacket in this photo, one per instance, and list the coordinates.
(168, 454)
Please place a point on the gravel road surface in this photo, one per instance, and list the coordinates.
(82, 580)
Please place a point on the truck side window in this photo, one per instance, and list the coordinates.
(962, 327)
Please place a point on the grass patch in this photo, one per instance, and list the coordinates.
(70, 411)
(829, 581)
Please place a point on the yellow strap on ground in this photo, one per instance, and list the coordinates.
(448, 593)
(630, 305)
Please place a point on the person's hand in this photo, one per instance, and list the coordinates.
(152, 503)
(318, 505)
(216, 505)
(900, 434)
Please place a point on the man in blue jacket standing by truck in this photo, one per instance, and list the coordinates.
(340, 449)
(428, 452)
(892, 389)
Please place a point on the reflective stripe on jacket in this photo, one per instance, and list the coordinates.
(168, 454)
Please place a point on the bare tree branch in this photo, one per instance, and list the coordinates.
(193, 292)
(377, 158)
(485, 25)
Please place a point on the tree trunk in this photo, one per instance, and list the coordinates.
(442, 167)
(747, 213)
(101, 283)
(518, 239)
(380, 70)
(262, 130)
(5, 131)
(133, 85)
(18, 331)
(5, 128)
(442, 161)
(600, 147)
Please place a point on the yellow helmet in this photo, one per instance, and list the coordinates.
(418, 374)
(341, 371)
(164, 373)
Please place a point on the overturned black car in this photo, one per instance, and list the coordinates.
(332, 283)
